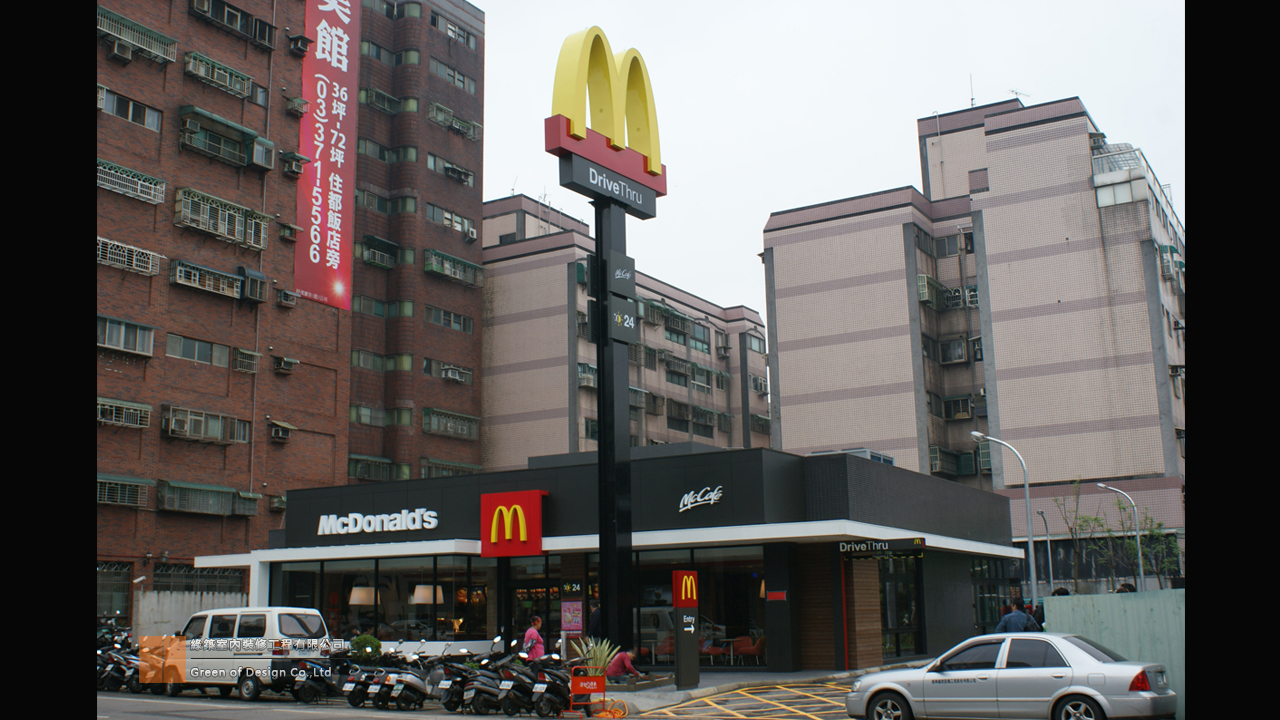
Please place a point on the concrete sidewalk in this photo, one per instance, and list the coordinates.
(712, 683)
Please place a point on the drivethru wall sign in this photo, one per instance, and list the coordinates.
(326, 188)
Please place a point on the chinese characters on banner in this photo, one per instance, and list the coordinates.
(326, 190)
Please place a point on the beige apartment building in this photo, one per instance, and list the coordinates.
(1034, 291)
(698, 374)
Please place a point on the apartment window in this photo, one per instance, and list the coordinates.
(372, 361)
(452, 76)
(207, 279)
(124, 414)
(258, 95)
(364, 198)
(199, 425)
(453, 30)
(722, 381)
(701, 340)
(368, 416)
(933, 402)
(702, 379)
(407, 153)
(399, 416)
(408, 10)
(929, 349)
(457, 172)
(676, 378)
(959, 407)
(590, 429)
(375, 51)
(124, 336)
(760, 424)
(448, 219)
(223, 77)
(676, 336)
(677, 424)
(131, 110)
(925, 242)
(445, 318)
(402, 205)
(405, 57)
(442, 422)
(948, 246)
(116, 490)
(706, 431)
(368, 306)
(202, 352)
(363, 467)
(954, 349)
(650, 359)
(442, 468)
(975, 345)
(755, 344)
(447, 371)
(231, 222)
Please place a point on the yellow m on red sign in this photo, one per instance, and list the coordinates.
(621, 96)
(507, 514)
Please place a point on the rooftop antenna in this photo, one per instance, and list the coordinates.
(513, 186)
(1017, 93)
(971, 100)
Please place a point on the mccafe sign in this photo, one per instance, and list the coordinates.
(705, 496)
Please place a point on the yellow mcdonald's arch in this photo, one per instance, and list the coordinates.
(688, 588)
(506, 514)
(619, 89)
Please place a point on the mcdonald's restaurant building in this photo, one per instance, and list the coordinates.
(823, 562)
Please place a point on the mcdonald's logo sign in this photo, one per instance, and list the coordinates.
(511, 523)
(621, 107)
(684, 588)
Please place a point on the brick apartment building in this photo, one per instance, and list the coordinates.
(697, 375)
(1033, 291)
(219, 388)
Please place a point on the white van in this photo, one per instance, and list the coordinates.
(248, 648)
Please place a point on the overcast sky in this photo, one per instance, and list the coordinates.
(767, 106)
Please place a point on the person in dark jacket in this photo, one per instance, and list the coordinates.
(593, 625)
(1017, 621)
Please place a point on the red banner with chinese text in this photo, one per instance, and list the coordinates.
(326, 188)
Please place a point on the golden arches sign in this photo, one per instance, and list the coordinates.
(621, 96)
(506, 514)
(688, 587)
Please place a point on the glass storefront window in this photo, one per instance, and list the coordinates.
(300, 584)
(348, 598)
(900, 620)
(536, 582)
(408, 597)
(480, 615)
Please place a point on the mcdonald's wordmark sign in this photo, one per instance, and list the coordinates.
(684, 588)
(594, 161)
(511, 523)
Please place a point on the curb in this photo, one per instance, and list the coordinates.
(701, 692)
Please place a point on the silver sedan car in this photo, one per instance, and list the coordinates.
(1018, 675)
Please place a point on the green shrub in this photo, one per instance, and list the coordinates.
(366, 649)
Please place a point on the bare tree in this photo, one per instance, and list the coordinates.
(1069, 508)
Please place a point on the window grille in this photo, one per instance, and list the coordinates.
(128, 257)
(201, 278)
(124, 414)
(113, 492)
(150, 43)
(130, 182)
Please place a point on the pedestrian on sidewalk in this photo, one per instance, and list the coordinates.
(1017, 621)
(533, 639)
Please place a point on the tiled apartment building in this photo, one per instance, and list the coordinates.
(416, 310)
(1034, 291)
(219, 388)
(698, 374)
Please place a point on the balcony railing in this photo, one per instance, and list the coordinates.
(458, 270)
(223, 77)
(128, 257)
(130, 182)
(150, 43)
(379, 258)
(216, 149)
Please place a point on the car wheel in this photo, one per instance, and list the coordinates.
(226, 690)
(157, 688)
(1077, 707)
(889, 706)
(249, 687)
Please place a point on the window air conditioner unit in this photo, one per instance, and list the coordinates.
(471, 233)
(1166, 266)
(222, 77)
(586, 380)
(121, 51)
(280, 434)
(190, 126)
(293, 168)
(451, 374)
(286, 298)
(722, 352)
(284, 365)
(276, 503)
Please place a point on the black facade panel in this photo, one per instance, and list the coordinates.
(892, 496)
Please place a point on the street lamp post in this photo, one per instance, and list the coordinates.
(1142, 576)
(1026, 496)
(1048, 548)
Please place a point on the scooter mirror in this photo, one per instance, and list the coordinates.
(514, 641)
(523, 656)
(497, 639)
(555, 656)
(558, 642)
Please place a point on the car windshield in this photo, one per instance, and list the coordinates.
(1095, 651)
(297, 625)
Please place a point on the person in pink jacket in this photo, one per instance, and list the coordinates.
(533, 639)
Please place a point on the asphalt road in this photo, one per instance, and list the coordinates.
(772, 702)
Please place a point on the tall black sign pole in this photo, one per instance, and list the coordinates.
(617, 581)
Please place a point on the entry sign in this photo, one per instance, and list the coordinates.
(684, 618)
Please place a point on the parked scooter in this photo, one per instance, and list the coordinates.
(318, 678)
(414, 685)
(484, 687)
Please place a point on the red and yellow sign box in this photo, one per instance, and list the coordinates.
(684, 588)
(511, 523)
